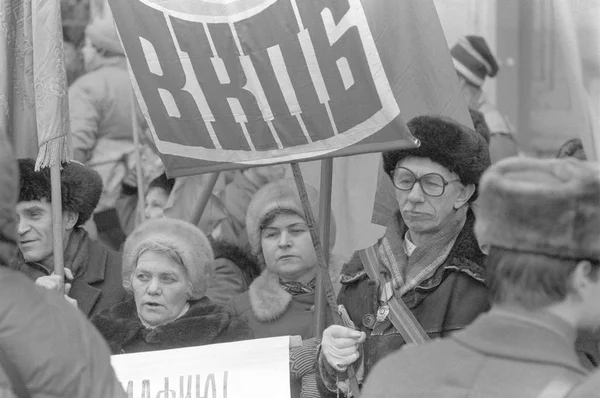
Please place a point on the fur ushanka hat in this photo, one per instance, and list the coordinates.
(280, 195)
(184, 238)
(81, 187)
(549, 207)
(448, 143)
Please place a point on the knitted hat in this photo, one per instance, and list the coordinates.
(474, 60)
(448, 143)
(103, 34)
(549, 207)
(280, 195)
(185, 239)
(80, 187)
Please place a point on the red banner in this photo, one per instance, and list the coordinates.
(237, 83)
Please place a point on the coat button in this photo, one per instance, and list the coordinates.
(369, 321)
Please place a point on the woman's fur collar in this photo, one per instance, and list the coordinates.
(269, 300)
(203, 323)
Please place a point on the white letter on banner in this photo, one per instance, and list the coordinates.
(287, 89)
(253, 86)
(193, 87)
(155, 68)
(345, 72)
(310, 57)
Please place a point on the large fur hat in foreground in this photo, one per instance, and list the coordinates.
(185, 239)
(448, 143)
(81, 187)
(280, 195)
(549, 207)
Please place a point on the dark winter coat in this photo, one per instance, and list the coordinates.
(204, 323)
(97, 283)
(446, 302)
(233, 270)
(504, 353)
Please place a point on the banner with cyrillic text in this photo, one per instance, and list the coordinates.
(226, 84)
(245, 369)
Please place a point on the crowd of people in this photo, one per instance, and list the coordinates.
(485, 282)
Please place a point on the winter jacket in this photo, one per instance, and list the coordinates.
(271, 311)
(232, 272)
(446, 302)
(97, 283)
(505, 353)
(55, 350)
(204, 323)
(100, 106)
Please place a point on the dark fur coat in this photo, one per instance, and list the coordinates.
(204, 323)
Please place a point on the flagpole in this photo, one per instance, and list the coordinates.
(326, 281)
(207, 190)
(57, 227)
(324, 228)
(140, 214)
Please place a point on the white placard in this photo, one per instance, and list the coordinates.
(252, 368)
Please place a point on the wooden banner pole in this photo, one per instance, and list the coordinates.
(324, 229)
(207, 190)
(141, 201)
(326, 281)
(57, 227)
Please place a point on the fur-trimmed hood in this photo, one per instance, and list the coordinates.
(269, 300)
(204, 323)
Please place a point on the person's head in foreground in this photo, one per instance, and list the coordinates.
(157, 196)
(436, 182)
(540, 220)
(80, 188)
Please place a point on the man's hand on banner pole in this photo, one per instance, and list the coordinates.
(340, 346)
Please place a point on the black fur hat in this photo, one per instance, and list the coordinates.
(80, 187)
(448, 143)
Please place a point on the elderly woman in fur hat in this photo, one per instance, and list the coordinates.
(281, 300)
(428, 258)
(166, 267)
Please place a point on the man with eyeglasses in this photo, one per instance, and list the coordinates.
(428, 266)
(539, 221)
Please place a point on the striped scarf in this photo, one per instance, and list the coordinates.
(408, 272)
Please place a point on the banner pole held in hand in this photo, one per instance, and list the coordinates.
(327, 285)
(57, 230)
(324, 229)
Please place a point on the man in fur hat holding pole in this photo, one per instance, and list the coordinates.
(540, 222)
(93, 271)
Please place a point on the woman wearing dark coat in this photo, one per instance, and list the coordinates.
(429, 256)
(166, 265)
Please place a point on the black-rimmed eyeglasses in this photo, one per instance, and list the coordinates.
(432, 184)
